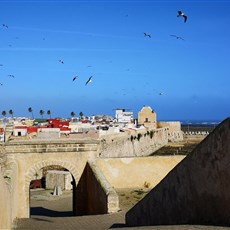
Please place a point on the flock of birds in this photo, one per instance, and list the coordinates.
(180, 14)
(75, 77)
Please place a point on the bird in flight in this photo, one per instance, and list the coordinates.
(75, 78)
(147, 35)
(1, 84)
(181, 14)
(177, 37)
(4, 25)
(1, 64)
(89, 80)
(10, 75)
(61, 61)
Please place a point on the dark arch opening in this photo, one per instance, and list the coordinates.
(51, 192)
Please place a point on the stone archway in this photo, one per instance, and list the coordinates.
(29, 175)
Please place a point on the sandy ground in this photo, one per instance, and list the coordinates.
(42, 202)
(47, 212)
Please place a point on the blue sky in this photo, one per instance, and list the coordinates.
(105, 39)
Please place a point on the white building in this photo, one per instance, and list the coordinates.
(123, 117)
(20, 131)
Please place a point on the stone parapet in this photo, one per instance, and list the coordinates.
(51, 146)
(112, 197)
(94, 194)
(135, 143)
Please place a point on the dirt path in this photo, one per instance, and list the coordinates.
(42, 202)
(52, 206)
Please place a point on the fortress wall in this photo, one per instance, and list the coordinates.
(136, 172)
(196, 191)
(173, 129)
(32, 156)
(8, 196)
(5, 203)
(74, 162)
(135, 143)
(94, 194)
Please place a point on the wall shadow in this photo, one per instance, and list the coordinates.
(41, 211)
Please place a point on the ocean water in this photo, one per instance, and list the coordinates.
(213, 123)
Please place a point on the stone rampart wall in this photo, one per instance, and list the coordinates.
(94, 194)
(46, 146)
(142, 171)
(196, 191)
(5, 202)
(135, 143)
(173, 129)
(8, 198)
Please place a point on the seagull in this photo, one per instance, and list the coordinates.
(10, 75)
(180, 13)
(161, 93)
(4, 25)
(61, 61)
(89, 80)
(147, 35)
(1, 84)
(75, 78)
(177, 37)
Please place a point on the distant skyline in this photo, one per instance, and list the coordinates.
(181, 79)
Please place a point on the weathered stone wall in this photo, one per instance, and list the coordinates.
(50, 146)
(196, 191)
(137, 143)
(31, 156)
(5, 201)
(137, 172)
(8, 196)
(173, 129)
(94, 194)
(55, 178)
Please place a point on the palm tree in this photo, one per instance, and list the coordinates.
(49, 113)
(81, 115)
(41, 112)
(72, 114)
(4, 113)
(11, 112)
(31, 111)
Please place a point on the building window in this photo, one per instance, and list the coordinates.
(146, 119)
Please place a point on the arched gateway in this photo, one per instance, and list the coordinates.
(35, 168)
(31, 156)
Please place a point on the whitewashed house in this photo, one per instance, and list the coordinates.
(123, 116)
